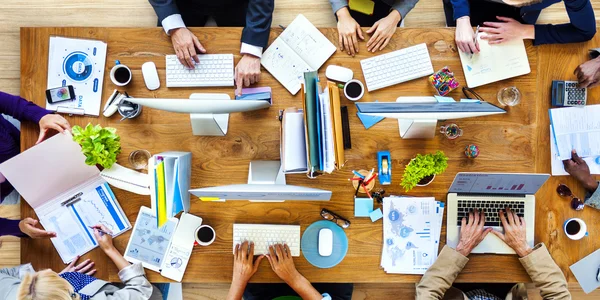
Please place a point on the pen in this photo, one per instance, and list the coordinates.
(358, 174)
(475, 40)
(358, 188)
(282, 27)
(100, 230)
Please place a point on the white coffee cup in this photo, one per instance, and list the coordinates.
(353, 82)
(122, 82)
(577, 224)
(205, 242)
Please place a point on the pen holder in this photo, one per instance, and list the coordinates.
(443, 81)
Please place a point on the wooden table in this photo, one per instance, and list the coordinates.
(513, 142)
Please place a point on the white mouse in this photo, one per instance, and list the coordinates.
(150, 75)
(325, 242)
(337, 73)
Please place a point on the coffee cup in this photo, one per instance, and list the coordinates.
(354, 90)
(205, 235)
(120, 74)
(575, 228)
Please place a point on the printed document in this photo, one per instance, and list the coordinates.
(300, 48)
(576, 128)
(558, 168)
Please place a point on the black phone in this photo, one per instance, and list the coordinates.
(60, 94)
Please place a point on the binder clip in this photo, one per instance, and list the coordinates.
(385, 167)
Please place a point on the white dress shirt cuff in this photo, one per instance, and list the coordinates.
(172, 22)
(252, 50)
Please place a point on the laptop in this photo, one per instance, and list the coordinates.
(492, 192)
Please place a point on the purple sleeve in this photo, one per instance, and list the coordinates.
(20, 108)
(10, 227)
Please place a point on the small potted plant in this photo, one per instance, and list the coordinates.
(422, 169)
(99, 145)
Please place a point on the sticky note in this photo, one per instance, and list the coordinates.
(362, 207)
(376, 215)
(369, 121)
(442, 99)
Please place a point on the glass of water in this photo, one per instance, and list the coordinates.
(139, 159)
(509, 96)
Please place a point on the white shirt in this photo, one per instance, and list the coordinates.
(175, 21)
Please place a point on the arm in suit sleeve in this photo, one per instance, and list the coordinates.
(461, 8)
(545, 274)
(582, 26)
(404, 6)
(440, 276)
(258, 23)
(168, 14)
(592, 199)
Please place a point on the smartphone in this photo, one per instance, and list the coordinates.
(59, 94)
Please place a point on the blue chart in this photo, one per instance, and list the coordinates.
(77, 66)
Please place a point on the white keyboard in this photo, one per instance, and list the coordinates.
(396, 67)
(212, 70)
(264, 235)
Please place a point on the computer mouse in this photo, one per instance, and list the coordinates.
(337, 73)
(150, 75)
(325, 242)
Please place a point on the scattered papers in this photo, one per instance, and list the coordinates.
(411, 234)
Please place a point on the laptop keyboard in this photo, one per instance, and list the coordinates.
(490, 208)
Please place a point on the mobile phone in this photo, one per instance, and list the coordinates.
(59, 94)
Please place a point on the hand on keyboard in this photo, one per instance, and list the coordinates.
(185, 44)
(282, 263)
(472, 232)
(244, 264)
(247, 72)
(515, 232)
(382, 31)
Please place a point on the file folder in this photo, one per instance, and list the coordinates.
(171, 172)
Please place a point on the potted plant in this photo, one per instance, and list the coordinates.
(99, 145)
(422, 169)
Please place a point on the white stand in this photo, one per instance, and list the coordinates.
(417, 129)
(266, 172)
(209, 124)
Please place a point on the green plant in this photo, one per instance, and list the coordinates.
(99, 145)
(423, 166)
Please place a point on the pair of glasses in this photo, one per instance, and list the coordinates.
(471, 94)
(331, 216)
(565, 191)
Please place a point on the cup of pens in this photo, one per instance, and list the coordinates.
(363, 181)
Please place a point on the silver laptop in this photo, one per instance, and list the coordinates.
(492, 192)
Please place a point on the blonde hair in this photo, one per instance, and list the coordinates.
(45, 284)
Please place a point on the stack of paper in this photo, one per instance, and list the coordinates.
(170, 172)
(411, 234)
(576, 128)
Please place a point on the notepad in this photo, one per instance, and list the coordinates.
(300, 48)
(495, 62)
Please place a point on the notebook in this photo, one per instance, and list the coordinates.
(586, 270)
(495, 62)
(300, 48)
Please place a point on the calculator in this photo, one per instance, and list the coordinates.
(567, 93)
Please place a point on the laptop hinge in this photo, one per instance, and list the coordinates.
(492, 195)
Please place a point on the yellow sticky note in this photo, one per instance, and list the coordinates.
(362, 6)
(209, 198)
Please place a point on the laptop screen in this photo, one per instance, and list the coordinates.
(498, 183)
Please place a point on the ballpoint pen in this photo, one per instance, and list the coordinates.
(99, 230)
(475, 40)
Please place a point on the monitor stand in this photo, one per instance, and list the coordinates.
(417, 129)
(209, 124)
(266, 172)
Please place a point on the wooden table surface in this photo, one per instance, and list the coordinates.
(513, 142)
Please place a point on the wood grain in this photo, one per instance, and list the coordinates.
(507, 144)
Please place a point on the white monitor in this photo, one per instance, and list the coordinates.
(266, 183)
(418, 116)
(209, 113)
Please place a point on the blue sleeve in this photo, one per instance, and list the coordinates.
(164, 8)
(10, 227)
(404, 6)
(461, 8)
(20, 108)
(582, 27)
(593, 199)
(258, 22)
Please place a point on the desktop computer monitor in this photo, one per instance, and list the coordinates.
(266, 183)
(418, 116)
(209, 113)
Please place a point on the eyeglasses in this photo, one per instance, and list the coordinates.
(471, 94)
(565, 191)
(329, 215)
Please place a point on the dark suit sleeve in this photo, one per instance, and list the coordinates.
(164, 8)
(258, 22)
(581, 28)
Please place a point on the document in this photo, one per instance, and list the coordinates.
(327, 139)
(182, 245)
(300, 48)
(494, 62)
(293, 142)
(576, 128)
(558, 167)
(586, 270)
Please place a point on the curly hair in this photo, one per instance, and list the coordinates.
(45, 284)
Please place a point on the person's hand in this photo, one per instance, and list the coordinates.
(28, 227)
(105, 241)
(244, 265)
(348, 30)
(382, 31)
(464, 36)
(85, 267)
(52, 121)
(280, 258)
(186, 46)
(506, 30)
(588, 73)
(515, 232)
(247, 72)
(578, 168)
(472, 232)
